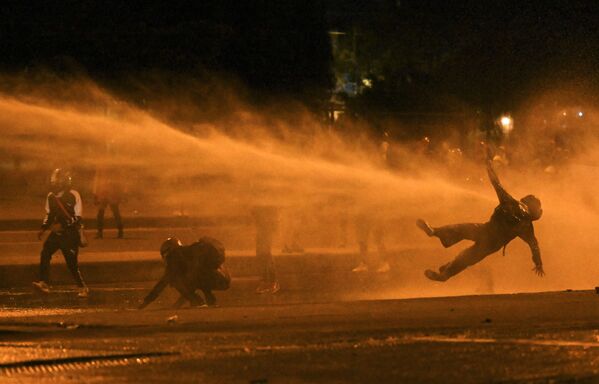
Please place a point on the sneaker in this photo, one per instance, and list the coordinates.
(41, 286)
(199, 304)
(261, 288)
(432, 275)
(266, 287)
(275, 287)
(384, 268)
(83, 293)
(425, 227)
(362, 267)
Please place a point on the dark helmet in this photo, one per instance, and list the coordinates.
(534, 206)
(169, 245)
(60, 179)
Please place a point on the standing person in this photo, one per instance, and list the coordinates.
(192, 267)
(265, 218)
(367, 225)
(63, 218)
(511, 219)
(108, 191)
(292, 225)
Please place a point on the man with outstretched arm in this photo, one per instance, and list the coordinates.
(512, 218)
(198, 266)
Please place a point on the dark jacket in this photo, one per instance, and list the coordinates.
(191, 267)
(511, 218)
(71, 201)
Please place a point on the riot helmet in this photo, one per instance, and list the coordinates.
(60, 180)
(169, 246)
(533, 204)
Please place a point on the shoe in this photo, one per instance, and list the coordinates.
(275, 287)
(199, 304)
(266, 287)
(432, 275)
(41, 287)
(261, 288)
(362, 267)
(120, 235)
(99, 235)
(384, 268)
(425, 227)
(83, 293)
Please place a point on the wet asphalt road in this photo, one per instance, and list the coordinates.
(296, 337)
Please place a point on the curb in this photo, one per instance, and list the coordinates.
(295, 267)
(137, 222)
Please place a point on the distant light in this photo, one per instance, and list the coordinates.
(564, 113)
(507, 124)
(580, 114)
(367, 83)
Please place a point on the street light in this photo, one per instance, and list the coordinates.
(507, 124)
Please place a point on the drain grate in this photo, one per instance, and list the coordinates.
(79, 362)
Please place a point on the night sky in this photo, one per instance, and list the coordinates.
(486, 53)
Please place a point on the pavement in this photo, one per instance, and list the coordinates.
(299, 338)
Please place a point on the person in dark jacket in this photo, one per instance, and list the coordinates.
(108, 192)
(63, 218)
(198, 266)
(512, 218)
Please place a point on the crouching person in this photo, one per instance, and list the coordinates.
(188, 268)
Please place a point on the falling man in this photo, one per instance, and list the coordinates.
(511, 219)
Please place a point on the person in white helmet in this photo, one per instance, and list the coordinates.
(63, 218)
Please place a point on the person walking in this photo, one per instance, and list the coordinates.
(63, 219)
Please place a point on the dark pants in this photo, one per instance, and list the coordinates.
(264, 255)
(216, 280)
(364, 228)
(265, 219)
(486, 241)
(68, 243)
(208, 281)
(115, 212)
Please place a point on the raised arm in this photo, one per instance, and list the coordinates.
(501, 192)
(529, 237)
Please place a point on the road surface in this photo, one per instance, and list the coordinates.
(297, 337)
